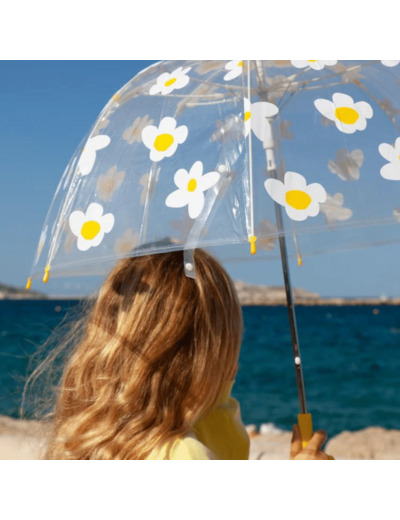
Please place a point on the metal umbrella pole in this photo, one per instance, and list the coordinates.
(304, 418)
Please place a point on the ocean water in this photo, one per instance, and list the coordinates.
(351, 362)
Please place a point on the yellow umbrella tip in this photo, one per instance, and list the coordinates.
(253, 249)
(46, 274)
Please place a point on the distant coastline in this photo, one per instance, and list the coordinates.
(275, 295)
(9, 292)
(249, 295)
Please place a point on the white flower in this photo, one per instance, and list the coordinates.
(247, 116)
(347, 115)
(390, 63)
(391, 171)
(88, 156)
(163, 140)
(167, 82)
(300, 201)
(90, 227)
(235, 68)
(314, 64)
(191, 187)
(256, 116)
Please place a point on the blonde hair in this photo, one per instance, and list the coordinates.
(157, 350)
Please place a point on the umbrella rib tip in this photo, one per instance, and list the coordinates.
(253, 249)
(46, 274)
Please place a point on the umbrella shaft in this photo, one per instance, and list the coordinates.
(292, 314)
(269, 147)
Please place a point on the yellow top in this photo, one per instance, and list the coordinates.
(188, 448)
(221, 435)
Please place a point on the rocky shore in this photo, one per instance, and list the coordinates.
(9, 292)
(275, 295)
(24, 440)
(373, 443)
(248, 295)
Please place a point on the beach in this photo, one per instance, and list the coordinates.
(24, 440)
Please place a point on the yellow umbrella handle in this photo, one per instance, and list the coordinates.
(306, 429)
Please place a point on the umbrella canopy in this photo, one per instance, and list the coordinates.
(210, 153)
(198, 154)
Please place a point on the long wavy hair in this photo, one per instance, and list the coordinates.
(156, 351)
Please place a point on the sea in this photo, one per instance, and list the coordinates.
(350, 357)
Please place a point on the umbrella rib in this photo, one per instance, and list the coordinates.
(250, 159)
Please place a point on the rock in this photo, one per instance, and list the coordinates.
(269, 295)
(270, 446)
(373, 443)
(269, 428)
(20, 439)
(25, 440)
(251, 430)
(250, 294)
(9, 292)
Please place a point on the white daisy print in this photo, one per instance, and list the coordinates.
(314, 64)
(391, 171)
(256, 116)
(347, 115)
(162, 141)
(167, 82)
(235, 68)
(247, 116)
(88, 156)
(191, 187)
(299, 199)
(390, 63)
(91, 226)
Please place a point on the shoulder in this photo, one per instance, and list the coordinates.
(187, 448)
(190, 448)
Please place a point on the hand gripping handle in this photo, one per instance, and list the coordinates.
(306, 429)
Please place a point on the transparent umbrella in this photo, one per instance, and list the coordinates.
(304, 154)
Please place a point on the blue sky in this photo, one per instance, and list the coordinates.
(47, 108)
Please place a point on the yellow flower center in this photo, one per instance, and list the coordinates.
(247, 115)
(90, 229)
(240, 64)
(192, 185)
(163, 142)
(347, 115)
(170, 82)
(312, 61)
(298, 199)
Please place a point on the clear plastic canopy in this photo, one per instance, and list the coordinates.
(201, 153)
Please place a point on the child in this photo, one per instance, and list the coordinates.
(152, 375)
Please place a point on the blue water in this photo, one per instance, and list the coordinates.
(351, 362)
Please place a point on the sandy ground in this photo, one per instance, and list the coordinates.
(23, 440)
